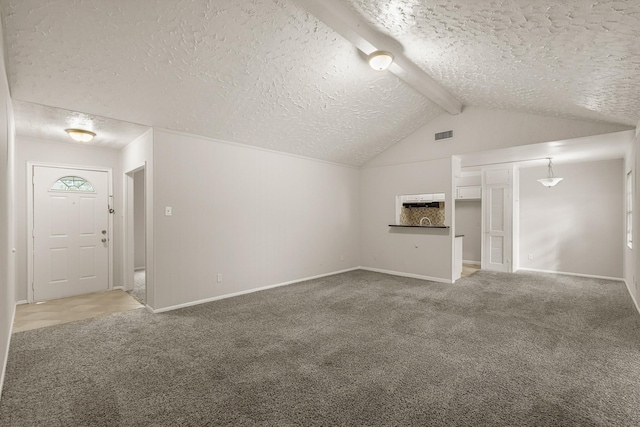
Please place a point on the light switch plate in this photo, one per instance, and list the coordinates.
(167, 211)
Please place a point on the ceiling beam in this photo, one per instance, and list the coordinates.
(352, 27)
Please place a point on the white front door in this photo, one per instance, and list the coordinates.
(496, 206)
(70, 232)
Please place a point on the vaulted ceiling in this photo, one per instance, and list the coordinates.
(269, 73)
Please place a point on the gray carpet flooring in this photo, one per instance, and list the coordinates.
(358, 348)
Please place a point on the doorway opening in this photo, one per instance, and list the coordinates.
(139, 288)
(469, 225)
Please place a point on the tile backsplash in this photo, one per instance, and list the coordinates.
(411, 216)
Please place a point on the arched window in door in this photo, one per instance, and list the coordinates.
(72, 183)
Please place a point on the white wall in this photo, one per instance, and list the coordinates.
(469, 223)
(257, 217)
(636, 220)
(136, 155)
(7, 229)
(479, 130)
(631, 262)
(576, 226)
(35, 150)
(138, 220)
(418, 252)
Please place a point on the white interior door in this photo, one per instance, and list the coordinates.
(70, 232)
(496, 204)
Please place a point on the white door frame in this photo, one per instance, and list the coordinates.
(507, 185)
(128, 229)
(30, 254)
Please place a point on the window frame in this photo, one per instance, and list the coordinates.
(70, 189)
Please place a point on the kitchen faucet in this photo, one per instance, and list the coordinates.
(427, 218)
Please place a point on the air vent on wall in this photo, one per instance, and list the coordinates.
(444, 135)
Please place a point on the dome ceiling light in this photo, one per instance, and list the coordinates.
(80, 135)
(380, 60)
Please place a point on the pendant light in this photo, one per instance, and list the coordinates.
(80, 135)
(550, 180)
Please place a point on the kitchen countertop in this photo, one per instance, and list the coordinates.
(420, 226)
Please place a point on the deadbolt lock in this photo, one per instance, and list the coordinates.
(104, 231)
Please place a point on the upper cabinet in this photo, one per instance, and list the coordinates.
(469, 192)
(469, 186)
(422, 198)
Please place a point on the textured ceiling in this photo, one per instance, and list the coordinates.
(569, 58)
(262, 72)
(267, 73)
(49, 123)
(591, 148)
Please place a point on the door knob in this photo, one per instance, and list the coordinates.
(104, 240)
(104, 231)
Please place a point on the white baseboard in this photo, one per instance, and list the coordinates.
(248, 291)
(22, 302)
(566, 273)
(466, 261)
(635, 302)
(411, 275)
(6, 353)
(118, 287)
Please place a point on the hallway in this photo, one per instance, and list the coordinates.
(66, 310)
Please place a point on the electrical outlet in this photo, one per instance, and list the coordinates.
(219, 278)
(530, 256)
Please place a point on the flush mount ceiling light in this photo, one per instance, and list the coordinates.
(550, 180)
(80, 135)
(380, 60)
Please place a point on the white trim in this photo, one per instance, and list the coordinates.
(566, 273)
(466, 261)
(128, 233)
(22, 302)
(411, 275)
(254, 147)
(110, 201)
(127, 227)
(248, 291)
(468, 173)
(118, 288)
(6, 354)
(631, 295)
(384, 165)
